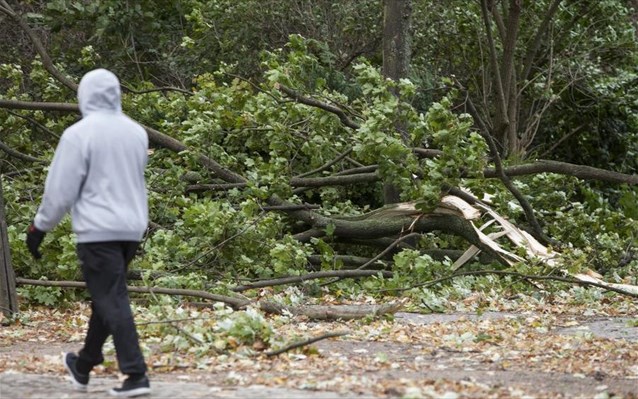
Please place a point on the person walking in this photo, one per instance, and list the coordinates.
(97, 174)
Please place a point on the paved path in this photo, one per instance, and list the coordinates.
(437, 365)
(23, 386)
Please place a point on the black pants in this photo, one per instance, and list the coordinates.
(104, 266)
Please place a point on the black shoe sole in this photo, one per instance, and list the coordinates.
(76, 385)
(131, 392)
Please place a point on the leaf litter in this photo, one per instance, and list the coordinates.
(466, 355)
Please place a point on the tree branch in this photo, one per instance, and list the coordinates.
(4, 9)
(19, 172)
(306, 342)
(306, 236)
(235, 303)
(540, 166)
(39, 106)
(215, 187)
(156, 89)
(327, 164)
(318, 104)
(291, 207)
(538, 38)
(509, 46)
(498, 19)
(377, 225)
(35, 123)
(349, 262)
(509, 74)
(333, 312)
(311, 276)
(17, 154)
(380, 255)
(388, 249)
(39, 48)
(313, 312)
(334, 180)
(427, 152)
(358, 170)
(502, 105)
(579, 171)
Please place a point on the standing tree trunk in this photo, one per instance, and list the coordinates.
(510, 84)
(397, 49)
(8, 296)
(511, 67)
(504, 82)
(633, 5)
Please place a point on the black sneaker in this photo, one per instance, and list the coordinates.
(80, 381)
(132, 387)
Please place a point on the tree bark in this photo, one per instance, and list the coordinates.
(397, 49)
(501, 121)
(581, 171)
(8, 296)
(336, 312)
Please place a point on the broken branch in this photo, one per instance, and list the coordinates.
(235, 303)
(312, 276)
(306, 342)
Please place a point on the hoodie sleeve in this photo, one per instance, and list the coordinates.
(62, 188)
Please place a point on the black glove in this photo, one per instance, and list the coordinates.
(34, 239)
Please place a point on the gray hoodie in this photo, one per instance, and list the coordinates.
(97, 172)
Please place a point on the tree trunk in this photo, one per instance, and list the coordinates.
(396, 38)
(397, 15)
(633, 5)
(8, 296)
(510, 85)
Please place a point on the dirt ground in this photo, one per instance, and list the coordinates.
(413, 356)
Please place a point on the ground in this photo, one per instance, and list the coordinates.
(520, 349)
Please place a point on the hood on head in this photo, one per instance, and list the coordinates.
(99, 90)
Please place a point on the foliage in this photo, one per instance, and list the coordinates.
(577, 103)
(245, 327)
(201, 331)
(232, 57)
(170, 42)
